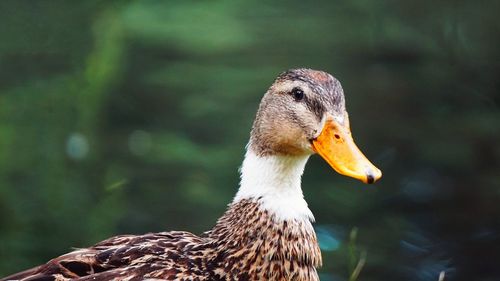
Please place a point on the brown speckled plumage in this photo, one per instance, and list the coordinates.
(247, 243)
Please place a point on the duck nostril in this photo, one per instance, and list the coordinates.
(337, 136)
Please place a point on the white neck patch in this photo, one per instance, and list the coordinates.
(276, 181)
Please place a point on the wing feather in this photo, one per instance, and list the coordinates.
(127, 257)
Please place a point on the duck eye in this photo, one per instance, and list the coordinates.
(298, 94)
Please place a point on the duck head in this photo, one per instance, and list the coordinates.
(302, 113)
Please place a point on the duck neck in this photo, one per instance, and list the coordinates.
(275, 182)
(268, 225)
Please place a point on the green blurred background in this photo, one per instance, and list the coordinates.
(131, 117)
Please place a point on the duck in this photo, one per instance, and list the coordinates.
(267, 231)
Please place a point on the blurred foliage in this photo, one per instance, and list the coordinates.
(132, 116)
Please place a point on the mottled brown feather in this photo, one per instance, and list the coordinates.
(247, 243)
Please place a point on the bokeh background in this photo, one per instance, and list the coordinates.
(132, 116)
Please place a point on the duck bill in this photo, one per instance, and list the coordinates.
(336, 146)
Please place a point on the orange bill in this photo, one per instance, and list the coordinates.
(336, 146)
